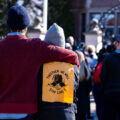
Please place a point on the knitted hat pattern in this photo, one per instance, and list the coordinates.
(18, 18)
(55, 35)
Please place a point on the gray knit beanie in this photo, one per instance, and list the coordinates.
(55, 35)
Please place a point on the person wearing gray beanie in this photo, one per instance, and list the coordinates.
(20, 61)
(57, 100)
(55, 35)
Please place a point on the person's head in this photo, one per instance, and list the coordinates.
(101, 54)
(110, 48)
(90, 49)
(68, 46)
(70, 40)
(55, 35)
(116, 42)
(18, 19)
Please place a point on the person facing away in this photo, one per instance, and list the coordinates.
(72, 42)
(20, 60)
(97, 91)
(84, 88)
(91, 56)
(110, 81)
(59, 83)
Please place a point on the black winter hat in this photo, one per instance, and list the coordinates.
(18, 18)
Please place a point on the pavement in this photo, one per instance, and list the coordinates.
(93, 107)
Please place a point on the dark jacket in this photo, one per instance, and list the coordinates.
(110, 74)
(85, 85)
(56, 110)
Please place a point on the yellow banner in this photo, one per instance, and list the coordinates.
(58, 82)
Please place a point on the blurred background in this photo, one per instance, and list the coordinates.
(75, 16)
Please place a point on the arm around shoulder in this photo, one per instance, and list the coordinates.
(49, 53)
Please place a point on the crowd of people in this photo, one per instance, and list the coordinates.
(52, 79)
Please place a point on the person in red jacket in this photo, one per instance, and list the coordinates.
(96, 73)
(97, 91)
(20, 60)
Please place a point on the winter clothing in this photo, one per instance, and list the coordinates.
(110, 74)
(56, 110)
(96, 74)
(110, 80)
(92, 60)
(18, 18)
(55, 35)
(59, 82)
(98, 96)
(84, 88)
(97, 92)
(111, 107)
(20, 60)
(83, 99)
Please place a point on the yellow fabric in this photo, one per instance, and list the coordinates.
(58, 82)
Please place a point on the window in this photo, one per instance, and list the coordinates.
(109, 32)
(95, 15)
(108, 22)
(110, 19)
(118, 23)
(119, 19)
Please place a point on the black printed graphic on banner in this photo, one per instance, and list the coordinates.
(58, 83)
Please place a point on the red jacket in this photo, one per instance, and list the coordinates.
(20, 60)
(96, 74)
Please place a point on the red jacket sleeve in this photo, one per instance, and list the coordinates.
(47, 53)
(96, 74)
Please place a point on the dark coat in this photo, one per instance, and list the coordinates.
(110, 74)
(57, 111)
(83, 96)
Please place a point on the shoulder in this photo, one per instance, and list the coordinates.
(34, 40)
(109, 56)
(80, 55)
(79, 52)
(37, 42)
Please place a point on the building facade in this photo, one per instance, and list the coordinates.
(107, 12)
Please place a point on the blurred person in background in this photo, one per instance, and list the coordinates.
(84, 89)
(110, 81)
(110, 49)
(92, 62)
(85, 85)
(68, 46)
(72, 42)
(57, 83)
(82, 47)
(91, 56)
(97, 90)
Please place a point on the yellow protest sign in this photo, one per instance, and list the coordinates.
(58, 82)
